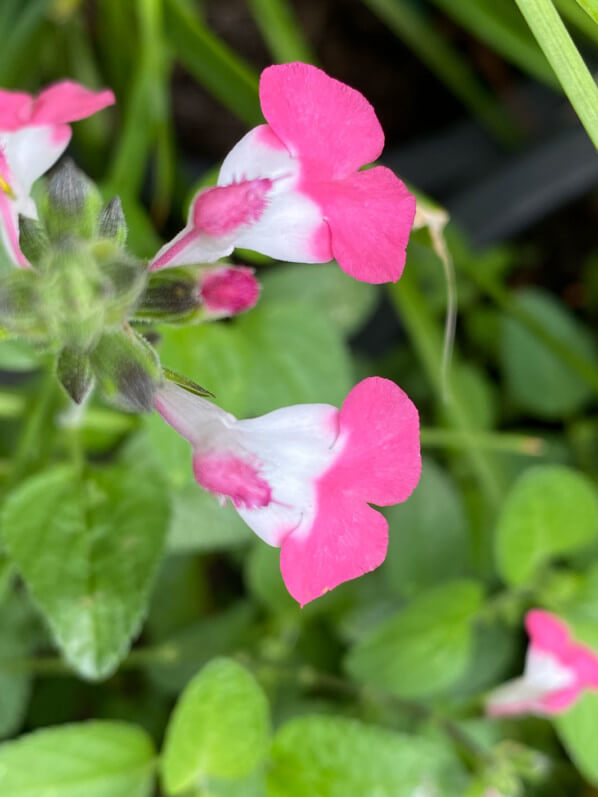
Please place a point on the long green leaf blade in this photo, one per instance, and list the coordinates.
(281, 30)
(570, 68)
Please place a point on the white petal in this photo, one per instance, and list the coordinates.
(544, 671)
(291, 228)
(258, 154)
(194, 418)
(31, 151)
(294, 446)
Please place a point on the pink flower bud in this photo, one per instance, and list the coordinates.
(228, 290)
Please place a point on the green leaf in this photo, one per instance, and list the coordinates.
(540, 381)
(279, 354)
(577, 729)
(590, 7)
(94, 759)
(220, 728)
(87, 551)
(346, 302)
(264, 580)
(16, 642)
(429, 535)
(551, 510)
(338, 757)
(423, 649)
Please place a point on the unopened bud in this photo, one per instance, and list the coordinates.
(127, 369)
(228, 290)
(112, 222)
(74, 372)
(19, 303)
(171, 296)
(72, 204)
(33, 239)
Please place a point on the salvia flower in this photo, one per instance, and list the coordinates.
(34, 132)
(292, 189)
(557, 671)
(302, 477)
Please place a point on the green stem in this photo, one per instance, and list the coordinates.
(570, 68)
(427, 340)
(507, 443)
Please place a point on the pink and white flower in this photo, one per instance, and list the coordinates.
(34, 132)
(292, 189)
(302, 477)
(557, 671)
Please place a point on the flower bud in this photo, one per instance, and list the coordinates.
(228, 290)
(127, 369)
(72, 204)
(182, 296)
(112, 223)
(19, 304)
(74, 373)
(33, 239)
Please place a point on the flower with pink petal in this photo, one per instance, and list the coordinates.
(303, 477)
(292, 189)
(557, 671)
(34, 132)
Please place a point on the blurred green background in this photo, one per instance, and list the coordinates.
(375, 690)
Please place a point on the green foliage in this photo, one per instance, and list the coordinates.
(550, 511)
(537, 378)
(336, 757)
(87, 550)
(94, 759)
(578, 731)
(219, 728)
(429, 535)
(422, 649)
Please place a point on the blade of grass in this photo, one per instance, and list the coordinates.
(281, 31)
(572, 11)
(426, 338)
(492, 23)
(143, 106)
(590, 7)
(446, 63)
(570, 68)
(212, 63)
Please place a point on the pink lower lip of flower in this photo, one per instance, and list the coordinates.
(228, 290)
(222, 210)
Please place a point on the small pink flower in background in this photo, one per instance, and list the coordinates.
(292, 189)
(228, 290)
(302, 477)
(557, 671)
(34, 132)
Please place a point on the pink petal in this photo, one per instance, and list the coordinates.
(548, 632)
(331, 127)
(348, 539)
(68, 102)
(15, 109)
(370, 215)
(380, 462)
(559, 701)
